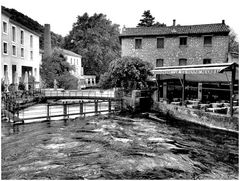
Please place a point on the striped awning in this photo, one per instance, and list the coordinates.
(194, 69)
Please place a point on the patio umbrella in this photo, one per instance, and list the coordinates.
(26, 80)
(16, 80)
(6, 81)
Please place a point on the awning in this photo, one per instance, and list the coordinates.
(213, 78)
(195, 69)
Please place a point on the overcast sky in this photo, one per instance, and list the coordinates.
(61, 14)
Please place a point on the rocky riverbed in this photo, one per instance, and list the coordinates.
(103, 147)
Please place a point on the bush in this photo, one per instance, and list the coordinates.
(2, 86)
(128, 73)
(21, 86)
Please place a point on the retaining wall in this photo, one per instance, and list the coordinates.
(213, 120)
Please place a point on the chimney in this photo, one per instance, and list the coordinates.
(223, 22)
(47, 41)
(174, 22)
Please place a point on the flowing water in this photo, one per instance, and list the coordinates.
(103, 147)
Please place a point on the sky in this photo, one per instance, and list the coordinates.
(61, 14)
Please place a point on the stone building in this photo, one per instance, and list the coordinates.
(177, 45)
(182, 46)
(20, 55)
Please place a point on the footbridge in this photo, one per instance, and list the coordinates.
(79, 94)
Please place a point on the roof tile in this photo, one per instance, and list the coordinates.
(176, 30)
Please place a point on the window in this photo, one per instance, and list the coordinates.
(183, 41)
(207, 61)
(14, 50)
(31, 41)
(5, 48)
(22, 52)
(159, 63)
(182, 61)
(138, 43)
(160, 42)
(207, 40)
(31, 55)
(22, 37)
(5, 27)
(13, 33)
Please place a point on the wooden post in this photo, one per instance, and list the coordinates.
(96, 106)
(65, 110)
(109, 105)
(121, 104)
(18, 110)
(158, 87)
(200, 91)
(48, 112)
(232, 90)
(183, 90)
(81, 107)
(165, 90)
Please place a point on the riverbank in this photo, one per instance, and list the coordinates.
(212, 120)
(116, 147)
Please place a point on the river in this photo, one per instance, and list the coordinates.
(114, 147)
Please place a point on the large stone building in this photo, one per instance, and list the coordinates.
(182, 46)
(177, 45)
(20, 56)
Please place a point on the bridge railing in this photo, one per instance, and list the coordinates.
(78, 93)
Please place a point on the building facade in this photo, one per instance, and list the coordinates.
(180, 46)
(177, 45)
(75, 60)
(20, 56)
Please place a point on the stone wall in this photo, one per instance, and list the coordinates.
(194, 52)
(213, 120)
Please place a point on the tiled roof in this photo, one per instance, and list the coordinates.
(68, 52)
(176, 30)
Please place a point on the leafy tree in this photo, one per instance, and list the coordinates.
(233, 43)
(56, 67)
(157, 24)
(126, 72)
(148, 20)
(95, 38)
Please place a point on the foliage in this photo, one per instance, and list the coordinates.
(21, 86)
(2, 85)
(157, 24)
(95, 38)
(34, 26)
(233, 43)
(126, 72)
(11, 88)
(148, 20)
(56, 67)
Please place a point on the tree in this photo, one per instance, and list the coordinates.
(157, 24)
(126, 72)
(95, 38)
(233, 43)
(56, 67)
(147, 20)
